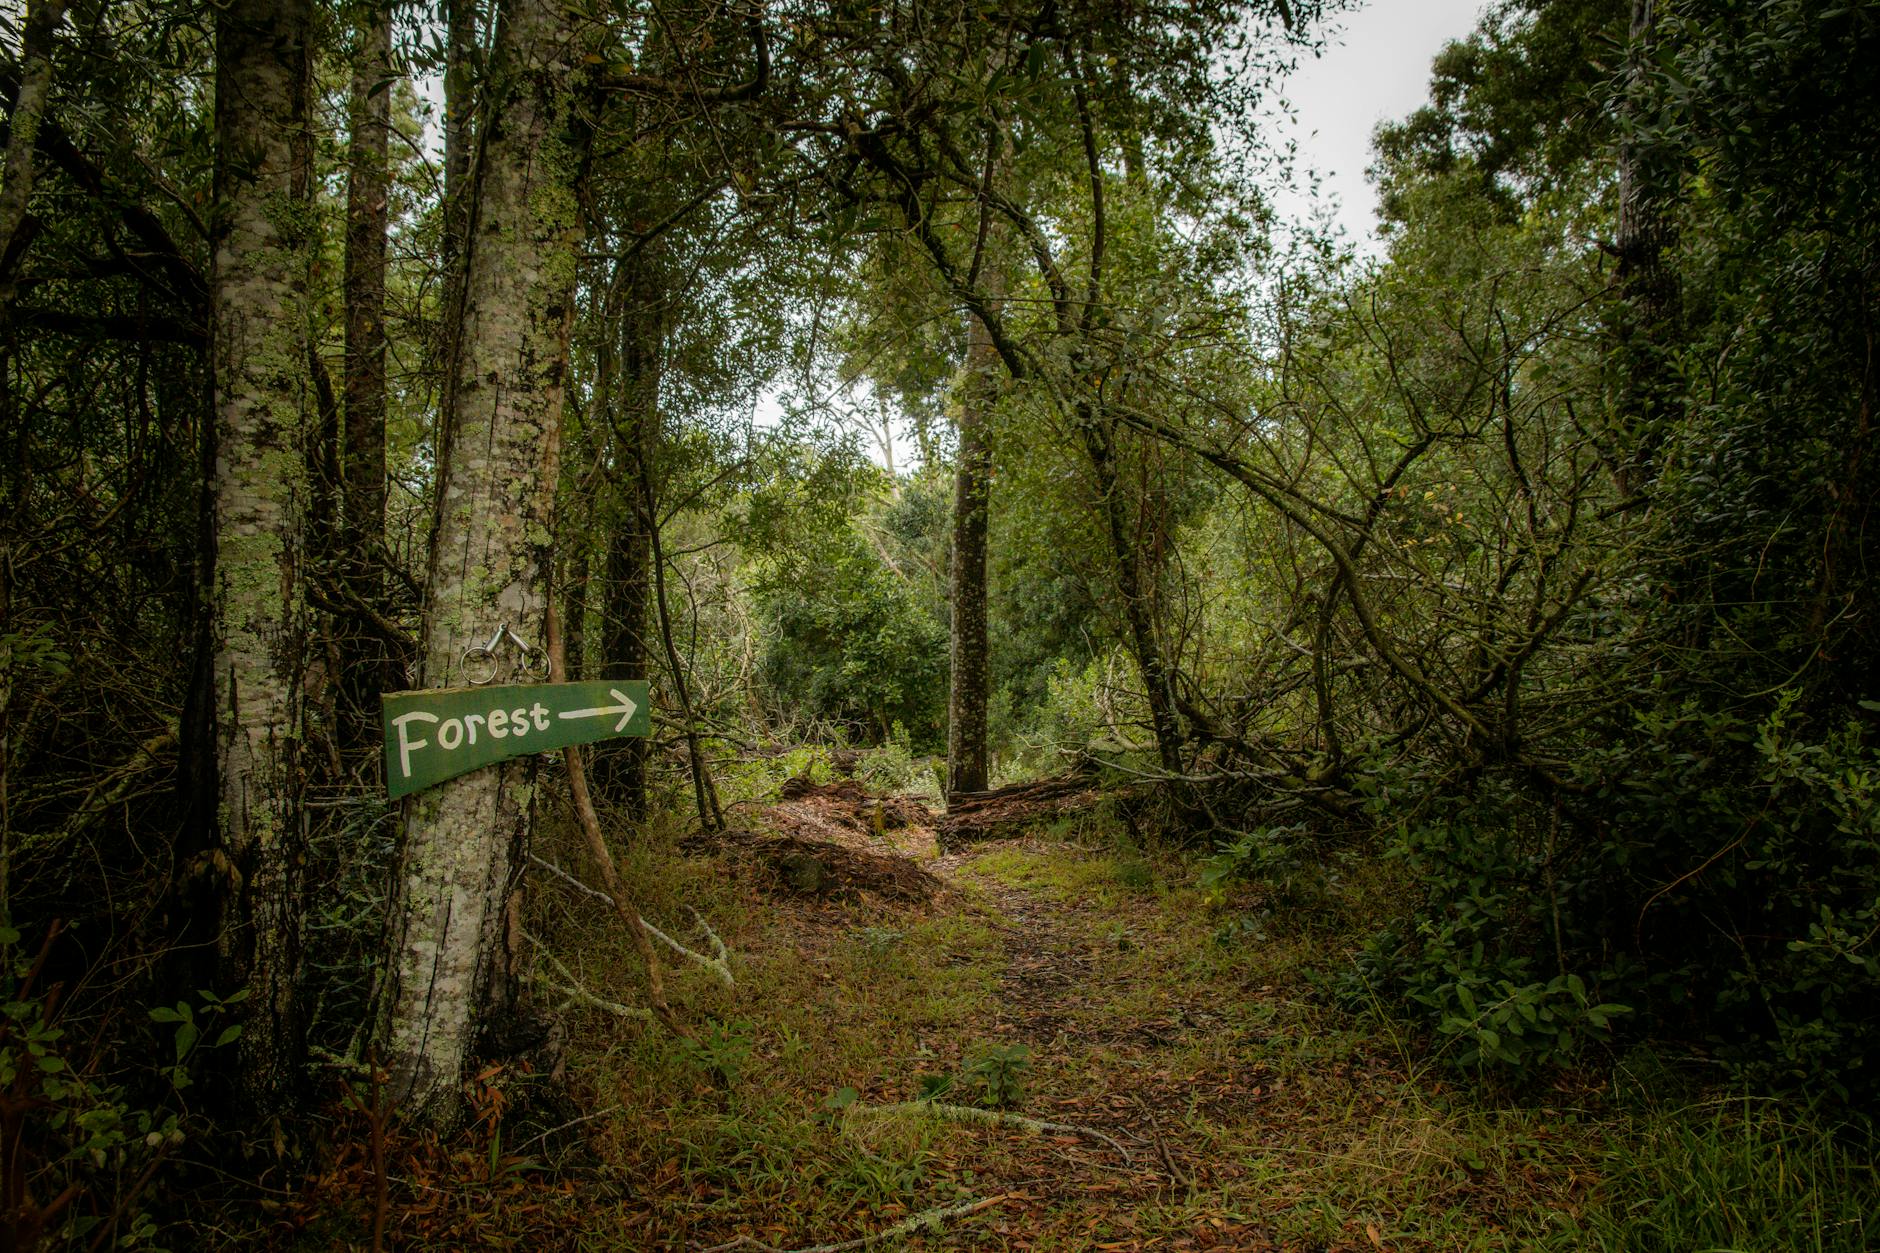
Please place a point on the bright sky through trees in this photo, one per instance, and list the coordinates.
(1375, 67)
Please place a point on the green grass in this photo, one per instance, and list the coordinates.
(1736, 1173)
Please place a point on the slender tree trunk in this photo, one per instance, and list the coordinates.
(711, 814)
(460, 57)
(621, 769)
(263, 246)
(42, 19)
(364, 666)
(574, 601)
(26, 108)
(490, 549)
(1137, 616)
(969, 692)
(627, 646)
(1648, 286)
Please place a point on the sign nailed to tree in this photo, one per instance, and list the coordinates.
(434, 735)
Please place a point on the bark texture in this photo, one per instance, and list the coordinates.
(1133, 576)
(460, 35)
(489, 555)
(264, 240)
(1648, 285)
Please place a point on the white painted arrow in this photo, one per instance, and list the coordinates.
(626, 709)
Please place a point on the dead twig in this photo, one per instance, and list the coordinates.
(526, 1145)
(1175, 1172)
(597, 848)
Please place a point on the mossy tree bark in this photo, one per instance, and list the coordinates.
(264, 240)
(28, 106)
(1135, 576)
(364, 655)
(500, 436)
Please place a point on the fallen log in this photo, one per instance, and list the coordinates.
(975, 816)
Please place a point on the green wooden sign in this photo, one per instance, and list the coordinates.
(438, 734)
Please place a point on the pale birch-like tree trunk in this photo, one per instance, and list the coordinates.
(500, 437)
(264, 239)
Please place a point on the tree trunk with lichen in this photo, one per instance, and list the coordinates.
(264, 243)
(449, 961)
(28, 106)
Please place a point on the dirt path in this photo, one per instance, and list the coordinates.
(1198, 1092)
(1107, 1045)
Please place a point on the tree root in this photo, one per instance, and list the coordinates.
(992, 1117)
(929, 1219)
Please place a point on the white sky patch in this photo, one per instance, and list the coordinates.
(1375, 67)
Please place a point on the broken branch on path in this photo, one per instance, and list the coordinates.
(993, 1117)
(574, 990)
(597, 848)
(929, 1219)
(719, 963)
